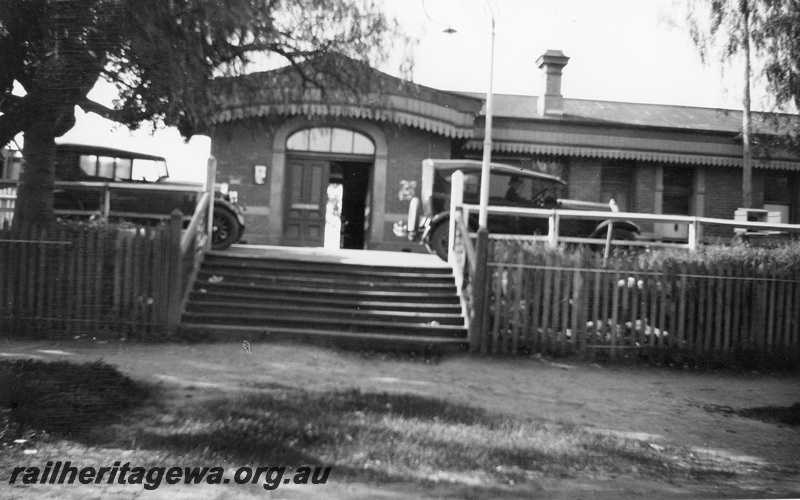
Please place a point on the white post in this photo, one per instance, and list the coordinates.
(106, 211)
(693, 235)
(456, 199)
(552, 235)
(609, 233)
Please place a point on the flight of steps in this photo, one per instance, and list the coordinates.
(364, 299)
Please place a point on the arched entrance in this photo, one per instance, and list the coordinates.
(328, 181)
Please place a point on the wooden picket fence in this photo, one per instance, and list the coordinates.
(8, 200)
(75, 278)
(561, 302)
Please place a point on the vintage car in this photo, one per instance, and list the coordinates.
(428, 220)
(148, 191)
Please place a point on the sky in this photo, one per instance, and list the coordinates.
(620, 50)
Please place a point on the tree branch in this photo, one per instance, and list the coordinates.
(91, 106)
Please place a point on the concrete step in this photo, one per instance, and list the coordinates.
(330, 280)
(356, 269)
(288, 310)
(343, 303)
(378, 298)
(348, 325)
(330, 291)
(337, 338)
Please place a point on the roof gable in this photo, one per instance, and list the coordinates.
(380, 97)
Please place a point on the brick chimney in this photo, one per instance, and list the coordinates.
(551, 102)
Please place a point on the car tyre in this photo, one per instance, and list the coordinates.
(439, 240)
(225, 229)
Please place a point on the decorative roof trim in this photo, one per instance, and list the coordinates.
(441, 121)
(618, 154)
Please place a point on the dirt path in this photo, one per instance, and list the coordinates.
(662, 406)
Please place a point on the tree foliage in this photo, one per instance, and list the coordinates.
(774, 28)
(161, 55)
(771, 29)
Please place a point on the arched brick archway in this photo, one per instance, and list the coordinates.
(278, 177)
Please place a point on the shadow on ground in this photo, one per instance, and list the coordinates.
(363, 435)
(63, 398)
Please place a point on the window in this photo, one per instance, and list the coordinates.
(776, 188)
(678, 190)
(777, 194)
(148, 170)
(616, 183)
(330, 140)
(89, 165)
(123, 171)
(105, 167)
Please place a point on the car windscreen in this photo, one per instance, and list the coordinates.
(530, 188)
(148, 170)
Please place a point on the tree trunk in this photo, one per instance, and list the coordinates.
(35, 193)
(747, 154)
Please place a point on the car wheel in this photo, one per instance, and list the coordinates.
(439, 240)
(225, 229)
(623, 234)
(616, 234)
(64, 200)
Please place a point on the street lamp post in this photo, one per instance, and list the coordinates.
(487, 137)
(487, 134)
(478, 317)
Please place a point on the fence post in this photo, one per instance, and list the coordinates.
(478, 290)
(175, 271)
(106, 210)
(693, 235)
(552, 234)
(456, 198)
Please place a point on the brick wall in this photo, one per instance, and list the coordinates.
(240, 145)
(645, 187)
(584, 179)
(723, 197)
(644, 192)
(407, 147)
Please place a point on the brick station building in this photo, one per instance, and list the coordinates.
(282, 153)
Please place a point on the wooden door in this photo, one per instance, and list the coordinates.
(307, 199)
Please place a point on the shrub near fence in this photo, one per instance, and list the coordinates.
(81, 278)
(728, 301)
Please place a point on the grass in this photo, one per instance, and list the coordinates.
(401, 437)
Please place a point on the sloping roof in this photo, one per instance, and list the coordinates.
(586, 111)
(587, 128)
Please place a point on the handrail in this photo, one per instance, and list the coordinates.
(123, 186)
(200, 212)
(469, 250)
(633, 216)
(116, 185)
(116, 213)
